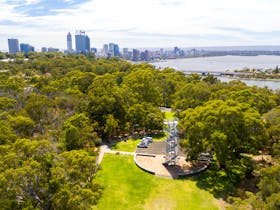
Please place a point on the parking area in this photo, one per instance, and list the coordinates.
(156, 148)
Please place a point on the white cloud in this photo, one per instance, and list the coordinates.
(31, 1)
(134, 23)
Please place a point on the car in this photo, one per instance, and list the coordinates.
(149, 139)
(142, 145)
(205, 157)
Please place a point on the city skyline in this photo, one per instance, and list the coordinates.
(141, 24)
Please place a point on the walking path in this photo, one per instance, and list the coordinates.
(106, 149)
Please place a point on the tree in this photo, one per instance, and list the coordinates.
(106, 98)
(210, 79)
(111, 126)
(145, 117)
(225, 128)
(273, 127)
(79, 132)
(34, 176)
(24, 175)
(169, 81)
(143, 84)
(7, 103)
(6, 133)
(191, 95)
(22, 125)
(37, 106)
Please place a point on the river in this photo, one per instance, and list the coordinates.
(225, 63)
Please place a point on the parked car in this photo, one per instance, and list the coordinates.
(149, 139)
(142, 144)
(205, 157)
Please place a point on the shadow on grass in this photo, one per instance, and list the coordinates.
(215, 181)
(160, 136)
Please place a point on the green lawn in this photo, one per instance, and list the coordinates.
(169, 115)
(131, 144)
(128, 187)
(127, 146)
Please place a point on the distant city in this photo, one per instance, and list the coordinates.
(82, 46)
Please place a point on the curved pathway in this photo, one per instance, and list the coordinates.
(106, 149)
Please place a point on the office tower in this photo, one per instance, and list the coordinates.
(44, 49)
(93, 50)
(13, 46)
(87, 43)
(135, 55)
(125, 50)
(69, 42)
(111, 49)
(82, 42)
(176, 51)
(105, 49)
(146, 55)
(26, 48)
(194, 52)
(125, 53)
(116, 50)
(51, 49)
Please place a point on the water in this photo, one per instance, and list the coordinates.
(273, 85)
(224, 63)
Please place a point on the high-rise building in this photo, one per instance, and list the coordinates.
(44, 49)
(111, 49)
(26, 48)
(116, 50)
(125, 50)
(125, 53)
(51, 49)
(105, 49)
(82, 42)
(135, 55)
(93, 50)
(13, 46)
(69, 42)
(87, 43)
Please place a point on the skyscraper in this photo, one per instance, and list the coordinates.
(26, 48)
(116, 50)
(111, 49)
(82, 42)
(87, 43)
(69, 42)
(105, 49)
(13, 46)
(135, 55)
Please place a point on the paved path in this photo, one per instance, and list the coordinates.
(106, 149)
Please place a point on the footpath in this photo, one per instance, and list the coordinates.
(106, 149)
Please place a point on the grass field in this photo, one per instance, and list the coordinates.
(131, 144)
(169, 115)
(128, 187)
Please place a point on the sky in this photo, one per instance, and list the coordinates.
(141, 23)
